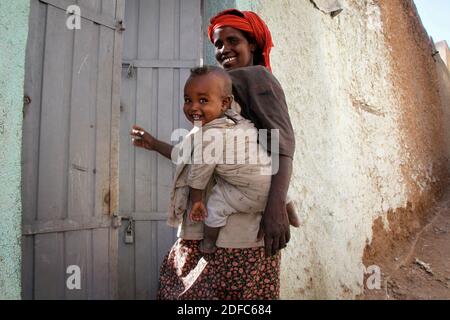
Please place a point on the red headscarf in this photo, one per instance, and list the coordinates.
(248, 22)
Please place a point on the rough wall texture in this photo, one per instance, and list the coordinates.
(14, 26)
(419, 79)
(346, 170)
(362, 90)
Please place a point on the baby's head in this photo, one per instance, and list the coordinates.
(207, 94)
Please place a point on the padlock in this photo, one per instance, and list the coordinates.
(129, 238)
(129, 234)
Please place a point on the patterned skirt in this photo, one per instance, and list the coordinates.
(227, 274)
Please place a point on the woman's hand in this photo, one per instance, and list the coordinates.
(198, 211)
(274, 227)
(141, 138)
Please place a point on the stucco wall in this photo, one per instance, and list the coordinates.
(347, 164)
(359, 156)
(14, 26)
(424, 148)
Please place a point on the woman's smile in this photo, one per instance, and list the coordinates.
(227, 62)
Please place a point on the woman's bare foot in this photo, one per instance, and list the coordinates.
(206, 246)
(292, 215)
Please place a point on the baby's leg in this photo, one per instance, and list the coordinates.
(210, 235)
(218, 212)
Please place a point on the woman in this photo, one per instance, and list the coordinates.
(241, 268)
(243, 40)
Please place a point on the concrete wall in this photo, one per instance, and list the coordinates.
(14, 26)
(370, 159)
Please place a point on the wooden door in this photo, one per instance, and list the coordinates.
(70, 150)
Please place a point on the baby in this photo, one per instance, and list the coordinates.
(240, 186)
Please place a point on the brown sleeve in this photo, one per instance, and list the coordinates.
(263, 102)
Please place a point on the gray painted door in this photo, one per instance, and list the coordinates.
(161, 43)
(70, 150)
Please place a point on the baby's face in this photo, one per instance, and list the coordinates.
(203, 99)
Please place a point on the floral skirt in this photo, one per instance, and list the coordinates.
(227, 274)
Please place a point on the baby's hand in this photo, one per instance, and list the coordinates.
(141, 138)
(198, 211)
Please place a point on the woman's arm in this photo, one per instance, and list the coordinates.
(263, 101)
(142, 139)
(274, 223)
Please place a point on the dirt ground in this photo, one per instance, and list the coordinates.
(420, 268)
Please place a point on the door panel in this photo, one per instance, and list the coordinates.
(161, 43)
(69, 151)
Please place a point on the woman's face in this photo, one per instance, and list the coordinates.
(232, 48)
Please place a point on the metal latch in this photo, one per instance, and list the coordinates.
(116, 220)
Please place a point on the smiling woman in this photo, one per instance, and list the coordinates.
(243, 266)
(241, 39)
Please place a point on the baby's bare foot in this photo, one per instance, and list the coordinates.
(292, 215)
(293, 220)
(207, 246)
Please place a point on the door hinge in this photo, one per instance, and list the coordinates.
(26, 100)
(120, 26)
